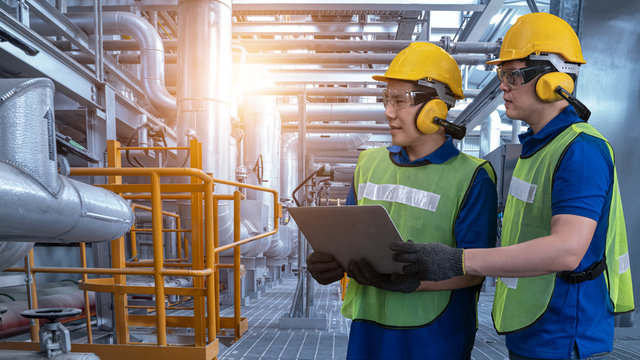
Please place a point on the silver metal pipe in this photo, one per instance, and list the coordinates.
(346, 112)
(340, 128)
(331, 91)
(315, 45)
(312, 58)
(36, 203)
(349, 58)
(261, 145)
(362, 45)
(204, 92)
(151, 53)
(342, 112)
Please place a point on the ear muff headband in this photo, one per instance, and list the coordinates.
(428, 112)
(548, 83)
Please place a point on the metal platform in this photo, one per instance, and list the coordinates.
(266, 341)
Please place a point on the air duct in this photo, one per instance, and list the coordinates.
(36, 203)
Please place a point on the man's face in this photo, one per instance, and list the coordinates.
(520, 100)
(401, 114)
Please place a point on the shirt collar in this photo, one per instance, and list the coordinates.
(532, 142)
(445, 152)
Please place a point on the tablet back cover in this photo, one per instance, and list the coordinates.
(351, 232)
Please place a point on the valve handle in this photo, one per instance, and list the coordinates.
(51, 314)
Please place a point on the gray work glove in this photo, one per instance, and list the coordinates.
(362, 272)
(324, 268)
(431, 261)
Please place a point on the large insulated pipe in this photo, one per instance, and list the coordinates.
(151, 52)
(36, 203)
(262, 146)
(204, 91)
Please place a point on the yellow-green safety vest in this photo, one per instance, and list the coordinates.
(424, 203)
(519, 302)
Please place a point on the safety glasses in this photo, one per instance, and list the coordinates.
(402, 99)
(522, 76)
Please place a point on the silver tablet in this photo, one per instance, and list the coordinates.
(351, 232)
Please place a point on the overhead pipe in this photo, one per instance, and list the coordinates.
(303, 58)
(329, 112)
(366, 45)
(331, 91)
(151, 54)
(36, 203)
(452, 47)
(345, 112)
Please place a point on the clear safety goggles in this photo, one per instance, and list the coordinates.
(517, 77)
(402, 99)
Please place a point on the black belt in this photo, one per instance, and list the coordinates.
(590, 273)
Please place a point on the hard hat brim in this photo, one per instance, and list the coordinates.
(380, 78)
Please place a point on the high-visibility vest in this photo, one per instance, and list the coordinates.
(519, 302)
(424, 203)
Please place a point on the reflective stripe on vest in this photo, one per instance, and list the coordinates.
(518, 303)
(423, 202)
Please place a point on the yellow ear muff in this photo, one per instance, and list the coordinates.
(424, 119)
(547, 84)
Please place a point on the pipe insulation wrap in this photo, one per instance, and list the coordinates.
(36, 203)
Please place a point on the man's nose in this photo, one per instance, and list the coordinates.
(390, 111)
(504, 86)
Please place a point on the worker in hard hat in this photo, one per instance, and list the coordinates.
(433, 193)
(563, 266)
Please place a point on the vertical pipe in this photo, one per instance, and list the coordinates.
(302, 151)
(236, 264)
(209, 258)
(204, 80)
(98, 34)
(158, 259)
(87, 306)
(179, 240)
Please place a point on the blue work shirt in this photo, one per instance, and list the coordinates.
(578, 315)
(452, 335)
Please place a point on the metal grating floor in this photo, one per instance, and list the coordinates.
(266, 341)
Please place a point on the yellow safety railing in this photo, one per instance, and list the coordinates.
(204, 267)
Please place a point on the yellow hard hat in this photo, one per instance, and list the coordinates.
(422, 60)
(540, 33)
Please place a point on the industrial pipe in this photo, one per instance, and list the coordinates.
(255, 45)
(36, 203)
(305, 58)
(331, 91)
(151, 55)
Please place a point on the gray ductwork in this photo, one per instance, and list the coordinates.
(151, 51)
(36, 203)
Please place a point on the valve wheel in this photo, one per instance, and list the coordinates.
(51, 314)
